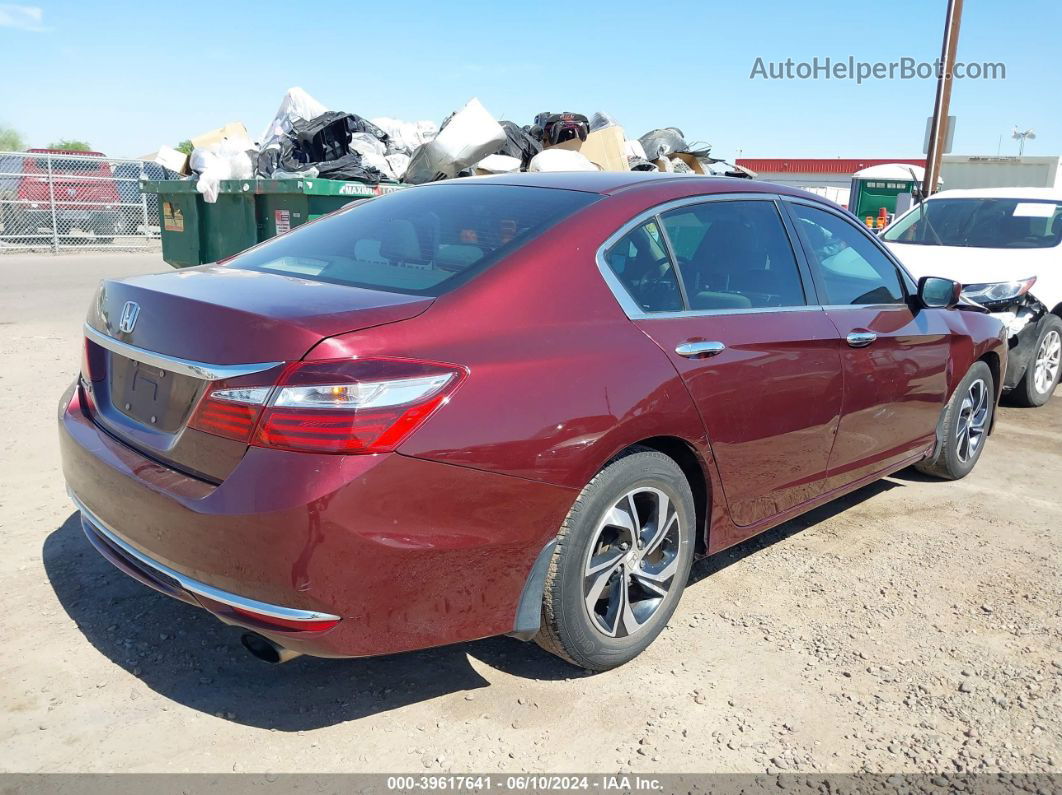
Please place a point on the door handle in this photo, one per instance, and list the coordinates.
(699, 349)
(861, 339)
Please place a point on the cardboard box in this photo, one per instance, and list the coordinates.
(603, 148)
(685, 157)
(170, 158)
(234, 129)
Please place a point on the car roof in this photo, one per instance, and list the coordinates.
(611, 182)
(1049, 194)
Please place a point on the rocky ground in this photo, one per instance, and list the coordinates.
(914, 626)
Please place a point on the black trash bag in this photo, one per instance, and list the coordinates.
(518, 144)
(348, 167)
(324, 143)
(662, 142)
(324, 137)
(356, 124)
(327, 137)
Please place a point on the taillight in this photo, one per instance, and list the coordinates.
(230, 412)
(331, 406)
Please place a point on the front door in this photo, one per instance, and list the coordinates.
(894, 354)
(762, 365)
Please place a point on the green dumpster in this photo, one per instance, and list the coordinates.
(876, 188)
(195, 232)
(283, 204)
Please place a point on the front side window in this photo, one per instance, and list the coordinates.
(980, 223)
(734, 255)
(641, 263)
(851, 268)
(423, 241)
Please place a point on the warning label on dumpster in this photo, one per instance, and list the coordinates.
(172, 218)
(282, 218)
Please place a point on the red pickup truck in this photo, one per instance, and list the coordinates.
(82, 187)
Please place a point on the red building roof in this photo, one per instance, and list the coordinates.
(820, 165)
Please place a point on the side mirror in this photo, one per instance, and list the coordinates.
(938, 293)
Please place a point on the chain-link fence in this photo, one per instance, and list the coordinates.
(52, 200)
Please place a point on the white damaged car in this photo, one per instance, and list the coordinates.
(1003, 245)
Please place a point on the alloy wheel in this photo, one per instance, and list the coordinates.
(1045, 367)
(631, 564)
(973, 416)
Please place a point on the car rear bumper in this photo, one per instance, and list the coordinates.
(407, 553)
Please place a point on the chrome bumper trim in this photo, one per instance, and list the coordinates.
(195, 586)
(209, 372)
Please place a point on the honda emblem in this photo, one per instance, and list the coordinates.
(130, 312)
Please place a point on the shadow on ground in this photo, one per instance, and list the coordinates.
(190, 657)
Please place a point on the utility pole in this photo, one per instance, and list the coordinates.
(938, 132)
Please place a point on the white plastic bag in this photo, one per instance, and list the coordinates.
(379, 162)
(634, 148)
(560, 160)
(296, 104)
(366, 144)
(466, 138)
(405, 136)
(228, 159)
(499, 164)
(398, 163)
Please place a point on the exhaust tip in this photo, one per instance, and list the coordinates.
(266, 650)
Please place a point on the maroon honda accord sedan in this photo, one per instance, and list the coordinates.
(514, 405)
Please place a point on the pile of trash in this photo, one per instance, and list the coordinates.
(305, 139)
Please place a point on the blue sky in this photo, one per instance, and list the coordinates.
(129, 76)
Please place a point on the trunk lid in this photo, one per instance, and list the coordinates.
(146, 373)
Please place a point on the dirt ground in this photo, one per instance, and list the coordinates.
(913, 626)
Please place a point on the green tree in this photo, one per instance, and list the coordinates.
(11, 140)
(185, 147)
(70, 145)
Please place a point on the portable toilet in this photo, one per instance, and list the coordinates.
(875, 189)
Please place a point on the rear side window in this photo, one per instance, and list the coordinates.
(423, 241)
(641, 263)
(734, 255)
(851, 268)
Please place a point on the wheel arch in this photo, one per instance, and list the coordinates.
(696, 471)
(685, 454)
(991, 358)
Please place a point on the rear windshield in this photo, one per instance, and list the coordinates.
(981, 223)
(423, 241)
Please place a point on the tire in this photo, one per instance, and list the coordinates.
(652, 576)
(1041, 376)
(964, 426)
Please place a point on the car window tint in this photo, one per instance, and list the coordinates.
(424, 240)
(641, 263)
(851, 268)
(734, 255)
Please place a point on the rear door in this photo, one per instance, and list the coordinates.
(759, 359)
(895, 354)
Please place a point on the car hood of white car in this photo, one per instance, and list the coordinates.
(972, 265)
